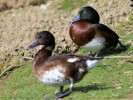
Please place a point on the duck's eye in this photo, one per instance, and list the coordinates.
(84, 11)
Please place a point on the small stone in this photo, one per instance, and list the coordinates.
(131, 87)
(118, 87)
(92, 93)
(127, 72)
(15, 92)
(56, 91)
(45, 97)
(104, 64)
(12, 99)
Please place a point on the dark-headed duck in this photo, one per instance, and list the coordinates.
(59, 70)
(86, 31)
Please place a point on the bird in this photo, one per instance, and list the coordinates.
(87, 32)
(58, 70)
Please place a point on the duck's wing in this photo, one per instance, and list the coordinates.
(106, 29)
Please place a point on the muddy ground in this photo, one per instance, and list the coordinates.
(18, 26)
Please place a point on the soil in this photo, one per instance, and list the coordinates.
(19, 25)
(9, 4)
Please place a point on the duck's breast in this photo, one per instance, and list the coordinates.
(55, 76)
(96, 44)
(81, 32)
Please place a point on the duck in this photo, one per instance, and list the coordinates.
(58, 70)
(86, 32)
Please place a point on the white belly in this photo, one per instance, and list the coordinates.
(54, 77)
(95, 45)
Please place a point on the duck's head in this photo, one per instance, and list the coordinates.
(43, 38)
(87, 13)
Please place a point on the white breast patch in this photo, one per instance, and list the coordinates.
(95, 45)
(55, 77)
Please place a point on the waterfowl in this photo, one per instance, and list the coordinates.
(58, 70)
(87, 32)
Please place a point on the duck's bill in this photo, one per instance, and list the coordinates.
(77, 18)
(34, 44)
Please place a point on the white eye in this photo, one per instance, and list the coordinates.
(84, 11)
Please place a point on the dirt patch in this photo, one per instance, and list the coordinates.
(18, 27)
(8, 4)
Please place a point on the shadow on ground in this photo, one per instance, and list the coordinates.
(89, 88)
(115, 51)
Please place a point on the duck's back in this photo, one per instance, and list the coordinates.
(106, 30)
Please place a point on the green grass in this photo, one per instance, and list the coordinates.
(101, 82)
(69, 5)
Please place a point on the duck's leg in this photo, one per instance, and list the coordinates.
(68, 92)
(65, 94)
(61, 90)
(89, 54)
(96, 54)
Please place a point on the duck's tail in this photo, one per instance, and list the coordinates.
(92, 63)
(120, 45)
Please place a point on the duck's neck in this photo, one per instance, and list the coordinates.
(43, 54)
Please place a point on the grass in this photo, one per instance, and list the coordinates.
(69, 5)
